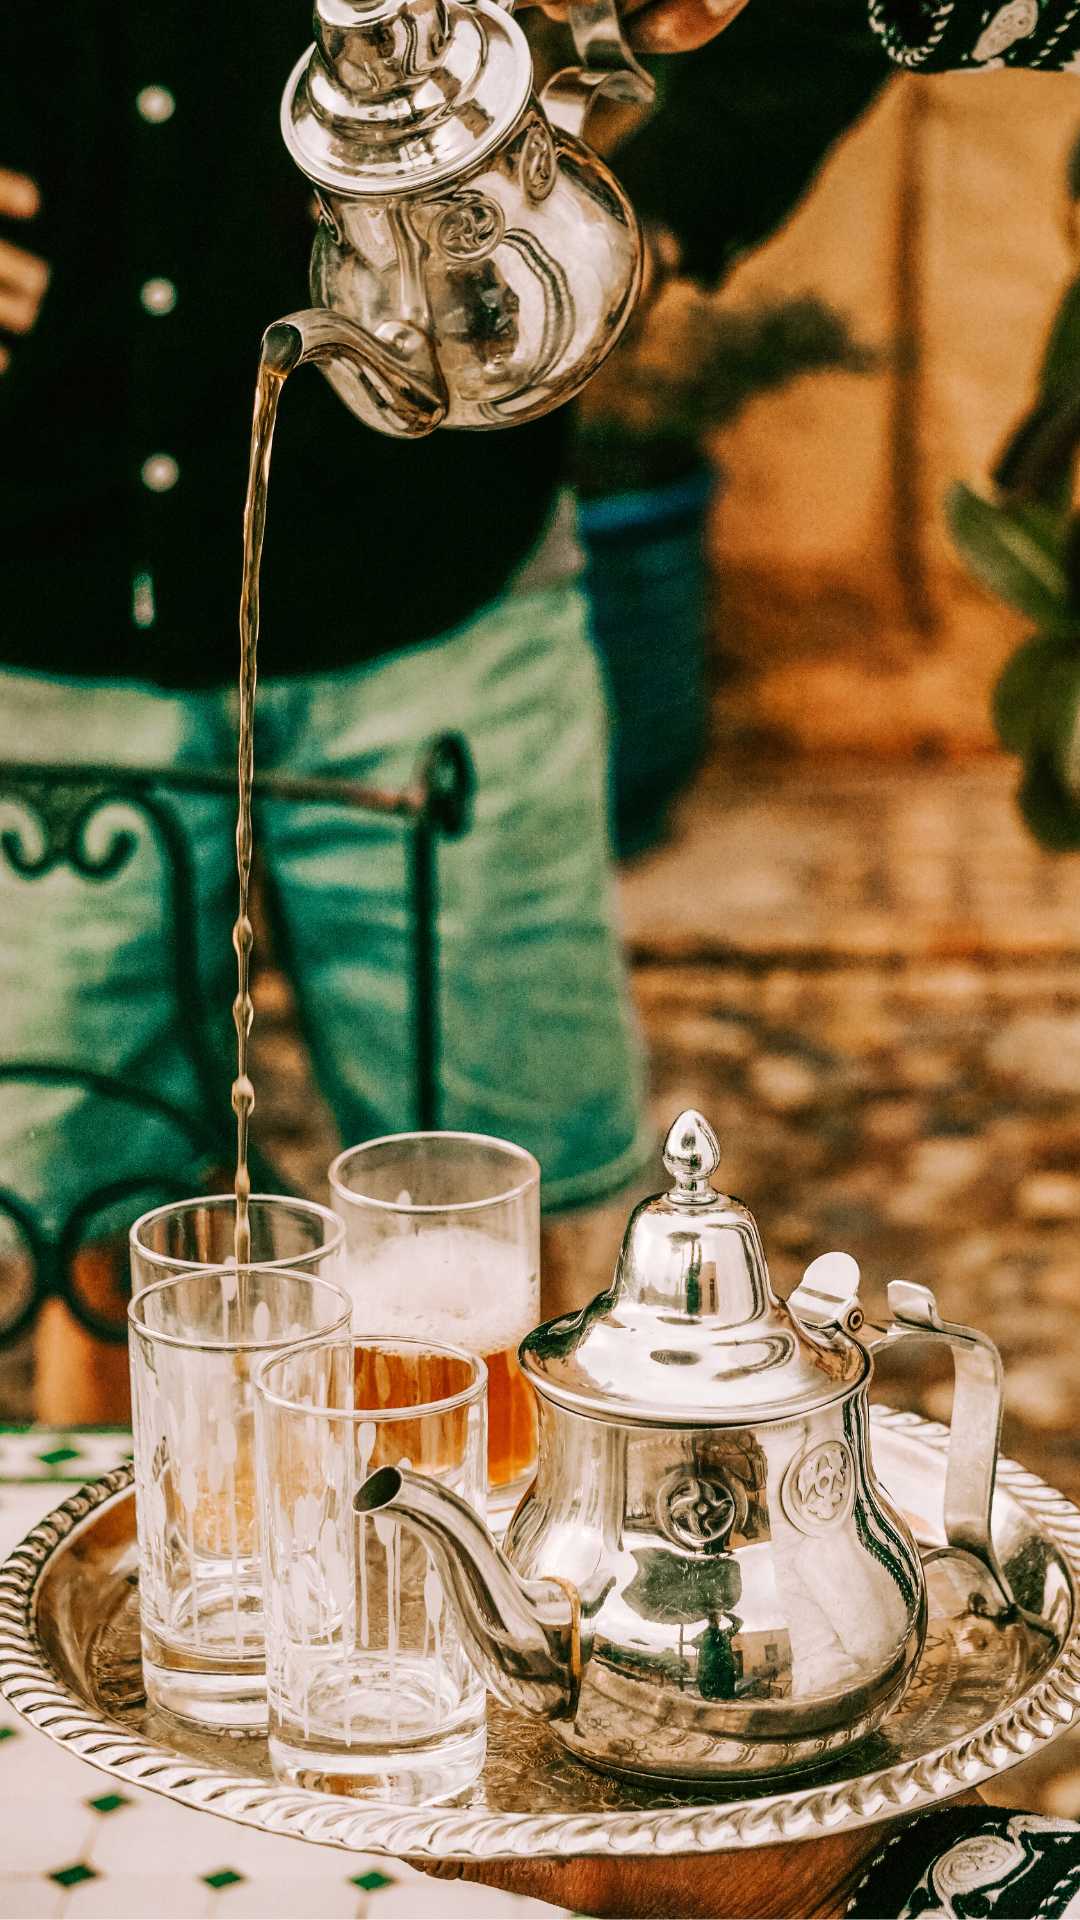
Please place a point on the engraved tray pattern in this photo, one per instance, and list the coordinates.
(984, 1697)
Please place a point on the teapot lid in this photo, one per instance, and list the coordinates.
(400, 95)
(691, 1333)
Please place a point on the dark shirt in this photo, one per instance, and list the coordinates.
(373, 544)
(744, 124)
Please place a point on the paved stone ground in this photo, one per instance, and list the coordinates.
(869, 979)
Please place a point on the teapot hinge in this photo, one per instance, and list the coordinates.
(827, 1297)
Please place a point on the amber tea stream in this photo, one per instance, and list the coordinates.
(267, 395)
(283, 349)
(312, 335)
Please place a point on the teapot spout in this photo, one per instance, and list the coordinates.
(392, 384)
(524, 1636)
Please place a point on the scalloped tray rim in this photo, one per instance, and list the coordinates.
(1038, 1715)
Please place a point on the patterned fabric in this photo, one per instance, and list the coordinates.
(937, 35)
(974, 1861)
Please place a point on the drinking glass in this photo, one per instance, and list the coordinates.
(369, 1689)
(195, 1341)
(189, 1234)
(442, 1241)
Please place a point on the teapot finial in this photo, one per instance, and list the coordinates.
(691, 1156)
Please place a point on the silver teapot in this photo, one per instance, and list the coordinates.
(705, 1578)
(474, 260)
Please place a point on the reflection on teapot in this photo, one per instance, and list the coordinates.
(467, 235)
(705, 1578)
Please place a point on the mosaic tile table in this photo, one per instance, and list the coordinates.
(72, 1846)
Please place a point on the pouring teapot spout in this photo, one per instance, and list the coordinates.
(392, 382)
(524, 1636)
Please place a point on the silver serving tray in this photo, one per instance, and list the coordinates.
(984, 1697)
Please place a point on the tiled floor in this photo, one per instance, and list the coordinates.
(76, 1846)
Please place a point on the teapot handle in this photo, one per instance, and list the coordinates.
(568, 97)
(827, 1300)
(608, 67)
(602, 47)
(975, 1428)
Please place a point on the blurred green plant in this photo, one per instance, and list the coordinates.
(1022, 541)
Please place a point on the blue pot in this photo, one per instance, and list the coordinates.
(646, 578)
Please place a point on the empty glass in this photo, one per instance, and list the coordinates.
(442, 1241)
(369, 1689)
(188, 1234)
(196, 1340)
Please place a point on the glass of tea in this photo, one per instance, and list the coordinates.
(369, 1689)
(189, 1234)
(195, 1342)
(442, 1241)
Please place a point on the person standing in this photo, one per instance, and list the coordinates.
(151, 225)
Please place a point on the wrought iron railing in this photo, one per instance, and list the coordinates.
(51, 810)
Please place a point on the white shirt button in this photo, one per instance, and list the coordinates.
(143, 610)
(156, 105)
(160, 472)
(158, 295)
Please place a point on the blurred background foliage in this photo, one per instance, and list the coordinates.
(1021, 539)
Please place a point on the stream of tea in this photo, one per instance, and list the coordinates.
(271, 379)
(416, 405)
(413, 398)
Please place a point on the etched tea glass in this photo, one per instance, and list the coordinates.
(196, 1341)
(442, 1241)
(369, 1689)
(189, 1234)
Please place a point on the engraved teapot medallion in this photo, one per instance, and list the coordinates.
(470, 228)
(818, 1489)
(695, 1512)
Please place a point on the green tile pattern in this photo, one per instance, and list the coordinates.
(63, 1455)
(69, 1877)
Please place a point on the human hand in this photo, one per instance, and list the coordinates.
(666, 26)
(23, 276)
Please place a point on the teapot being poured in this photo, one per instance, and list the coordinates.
(474, 261)
(705, 1577)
